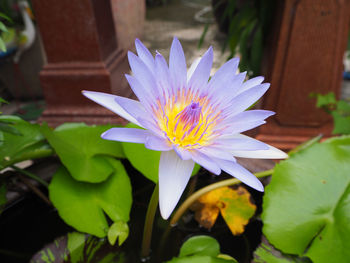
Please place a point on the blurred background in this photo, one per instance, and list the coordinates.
(55, 49)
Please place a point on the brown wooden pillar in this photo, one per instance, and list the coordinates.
(304, 56)
(80, 42)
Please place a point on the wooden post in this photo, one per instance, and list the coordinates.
(80, 42)
(304, 56)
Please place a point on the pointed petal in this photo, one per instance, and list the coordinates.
(183, 154)
(133, 107)
(141, 92)
(174, 174)
(224, 74)
(251, 83)
(177, 64)
(144, 55)
(108, 101)
(270, 153)
(192, 68)
(242, 101)
(126, 135)
(245, 144)
(241, 174)
(157, 144)
(245, 120)
(201, 74)
(163, 77)
(206, 162)
(217, 152)
(142, 73)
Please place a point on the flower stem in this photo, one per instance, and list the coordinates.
(189, 201)
(30, 175)
(147, 230)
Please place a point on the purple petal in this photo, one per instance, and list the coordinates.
(201, 74)
(192, 68)
(142, 73)
(247, 98)
(141, 93)
(241, 174)
(245, 144)
(217, 152)
(224, 74)
(177, 64)
(163, 77)
(270, 153)
(245, 120)
(174, 174)
(157, 144)
(108, 101)
(183, 154)
(205, 162)
(126, 135)
(133, 107)
(144, 55)
(251, 83)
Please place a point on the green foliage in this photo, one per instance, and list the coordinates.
(201, 249)
(3, 199)
(340, 111)
(30, 144)
(3, 28)
(82, 150)
(78, 248)
(82, 205)
(267, 254)
(118, 230)
(306, 207)
(247, 23)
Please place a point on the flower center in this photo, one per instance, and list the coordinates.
(186, 124)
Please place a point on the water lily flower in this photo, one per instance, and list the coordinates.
(190, 118)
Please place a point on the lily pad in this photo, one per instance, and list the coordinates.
(306, 207)
(82, 151)
(265, 253)
(201, 249)
(234, 204)
(83, 205)
(30, 144)
(78, 248)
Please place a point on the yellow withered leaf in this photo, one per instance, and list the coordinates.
(234, 204)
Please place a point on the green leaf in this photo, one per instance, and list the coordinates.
(31, 144)
(201, 259)
(200, 245)
(341, 118)
(266, 253)
(82, 150)
(144, 160)
(3, 27)
(3, 101)
(306, 208)
(82, 205)
(77, 248)
(3, 199)
(118, 230)
(257, 51)
(324, 100)
(201, 249)
(9, 129)
(2, 45)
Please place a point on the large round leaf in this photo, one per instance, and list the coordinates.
(82, 151)
(306, 207)
(28, 144)
(82, 205)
